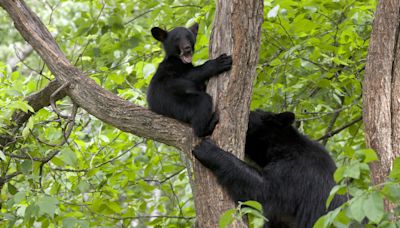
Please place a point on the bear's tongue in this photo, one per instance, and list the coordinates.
(186, 58)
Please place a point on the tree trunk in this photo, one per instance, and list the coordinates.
(236, 31)
(381, 90)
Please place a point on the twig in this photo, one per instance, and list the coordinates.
(66, 130)
(25, 52)
(330, 126)
(98, 165)
(88, 30)
(10, 176)
(165, 179)
(45, 160)
(333, 121)
(149, 216)
(52, 98)
(332, 133)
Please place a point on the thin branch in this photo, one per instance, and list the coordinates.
(159, 182)
(330, 127)
(52, 100)
(10, 176)
(26, 51)
(100, 164)
(152, 9)
(7, 178)
(28, 157)
(332, 133)
(333, 121)
(149, 217)
(67, 130)
(88, 30)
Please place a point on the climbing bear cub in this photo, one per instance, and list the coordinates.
(294, 177)
(177, 89)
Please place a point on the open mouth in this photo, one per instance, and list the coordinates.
(186, 57)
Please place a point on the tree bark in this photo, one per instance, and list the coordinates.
(236, 31)
(381, 90)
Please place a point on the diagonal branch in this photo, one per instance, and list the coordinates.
(332, 133)
(87, 94)
(20, 56)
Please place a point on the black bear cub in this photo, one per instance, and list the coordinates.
(177, 89)
(294, 177)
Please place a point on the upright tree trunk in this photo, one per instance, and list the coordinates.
(381, 90)
(236, 31)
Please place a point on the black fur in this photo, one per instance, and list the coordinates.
(177, 89)
(296, 173)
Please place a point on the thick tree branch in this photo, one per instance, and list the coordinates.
(87, 94)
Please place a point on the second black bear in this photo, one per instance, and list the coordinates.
(294, 177)
(177, 89)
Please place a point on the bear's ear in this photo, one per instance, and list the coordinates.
(194, 29)
(159, 34)
(286, 118)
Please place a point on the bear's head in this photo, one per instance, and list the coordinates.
(268, 133)
(178, 42)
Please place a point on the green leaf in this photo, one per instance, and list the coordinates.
(273, 12)
(332, 194)
(275, 62)
(256, 221)
(370, 155)
(114, 206)
(254, 204)
(31, 211)
(339, 174)
(68, 156)
(69, 222)
(47, 205)
(356, 208)
(324, 83)
(148, 70)
(2, 156)
(11, 189)
(19, 196)
(27, 128)
(117, 78)
(21, 105)
(373, 207)
(26, 166)
(353, 171)
(83, 186)
(227, 218)
(392, 191)
(395, 173)
(321, 222)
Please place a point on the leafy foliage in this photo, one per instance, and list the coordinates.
(252, 209)
(312, 59)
